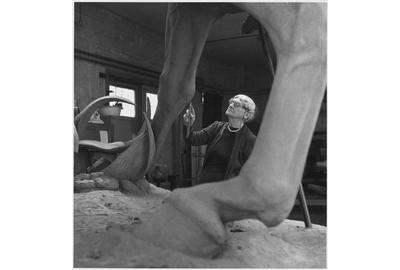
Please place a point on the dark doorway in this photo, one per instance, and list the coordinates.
(211, 108)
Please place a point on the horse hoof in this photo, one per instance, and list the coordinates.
(106, 182)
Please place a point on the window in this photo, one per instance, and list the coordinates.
(127, 109)
(152, 101)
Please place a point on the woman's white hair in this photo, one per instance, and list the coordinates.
(248, 104)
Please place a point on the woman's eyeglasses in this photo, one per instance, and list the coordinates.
(237, 104)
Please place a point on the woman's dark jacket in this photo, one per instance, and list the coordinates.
(241, 150)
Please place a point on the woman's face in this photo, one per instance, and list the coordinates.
(235, 109)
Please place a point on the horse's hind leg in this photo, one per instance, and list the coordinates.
(187, 29)
(192, 219)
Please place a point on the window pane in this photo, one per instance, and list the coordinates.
(153, 100)
(127, 109)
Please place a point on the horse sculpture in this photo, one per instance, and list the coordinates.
(267, 185)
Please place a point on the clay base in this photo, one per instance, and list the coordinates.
(106, 235)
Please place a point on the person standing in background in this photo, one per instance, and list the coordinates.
(229, 144)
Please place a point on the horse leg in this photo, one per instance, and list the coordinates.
(274, 170)
(192, 220)
(187, 29)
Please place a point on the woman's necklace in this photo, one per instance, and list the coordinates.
(233, 130)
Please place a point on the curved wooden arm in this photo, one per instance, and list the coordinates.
(81, 120)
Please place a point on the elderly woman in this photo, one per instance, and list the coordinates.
(229, 144)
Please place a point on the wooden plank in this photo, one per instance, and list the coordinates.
(313, 202)
(317, 188)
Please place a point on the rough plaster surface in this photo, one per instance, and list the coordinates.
(104, 236)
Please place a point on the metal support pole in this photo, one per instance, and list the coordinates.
(303, 203)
